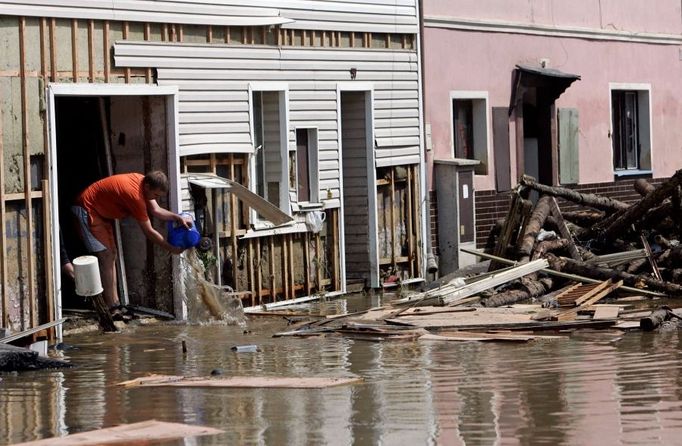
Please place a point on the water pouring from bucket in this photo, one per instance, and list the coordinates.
(181, 237)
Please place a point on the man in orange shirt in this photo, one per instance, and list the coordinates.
(114, 198)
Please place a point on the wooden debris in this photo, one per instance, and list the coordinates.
(591, 296)
(242, 382)
(144, 431)
(591, 200)
(468, 336)
(606, 312)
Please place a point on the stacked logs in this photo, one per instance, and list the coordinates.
(638, 243)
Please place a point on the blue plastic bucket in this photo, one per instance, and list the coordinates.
(181, 237)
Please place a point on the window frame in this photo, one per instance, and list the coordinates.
(284, 202)
(312, 148)
(644, 127)
(479, 137)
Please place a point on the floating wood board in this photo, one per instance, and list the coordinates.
(467, 336)
(151, 430)
(264, 208)
(520, 326)
(601, 313)
(422, 311)
(243, 382)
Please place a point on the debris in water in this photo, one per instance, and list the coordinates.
(216, 372)
(245, 349)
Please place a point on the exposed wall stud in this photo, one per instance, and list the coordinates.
(107, 51)
(74, 49)
(126, 70)
(306, 263)
(271, 259)
(148, 37)
(91, 51)
(27, 172)
(53, 51)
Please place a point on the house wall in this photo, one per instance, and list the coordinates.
(45, 41)
(214, 100)
(482, 55)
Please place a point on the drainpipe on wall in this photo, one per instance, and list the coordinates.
(431, 262)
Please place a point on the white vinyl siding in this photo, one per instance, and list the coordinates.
(379, 16)
(214, 109)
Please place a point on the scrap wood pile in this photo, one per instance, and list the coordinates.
(564, 263)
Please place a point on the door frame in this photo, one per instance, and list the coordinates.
(368, 89)
(61, 89)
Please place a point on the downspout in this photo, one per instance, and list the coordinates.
(431, 263)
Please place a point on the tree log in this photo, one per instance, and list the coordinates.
(567, 265)
(591, 200)
(531, 288)
(643, 187)
(530, 232)
(638, 210)
(546, 246)
(655, 319)
(585, 217)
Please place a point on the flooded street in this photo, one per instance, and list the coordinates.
(595, 387)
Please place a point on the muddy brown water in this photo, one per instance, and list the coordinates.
(594, 388)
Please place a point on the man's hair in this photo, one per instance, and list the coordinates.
(156, 180)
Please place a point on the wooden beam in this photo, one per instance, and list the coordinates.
(410, 229)
(284, 266)
(392, 216)
(249, 382)
(289, 239)
(227, 35)
(27, 173)
(91, 51)
(233, 226)
(416, 205)
(53, 50)
(306, 263)
(43, 50)
(106, 51)
(74, 50)
(250, 266)
(335, 248)
(209, 34)
(318, 266)
(271, 258)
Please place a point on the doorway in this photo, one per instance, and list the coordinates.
(96, 131)
(358, 189)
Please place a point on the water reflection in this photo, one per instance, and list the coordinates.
(594, 388)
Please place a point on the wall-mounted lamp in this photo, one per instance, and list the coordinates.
(353, 73)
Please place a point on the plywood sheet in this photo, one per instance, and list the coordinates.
(151, 430)
(244, 382)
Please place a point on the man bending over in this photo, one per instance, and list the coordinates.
(114, 198)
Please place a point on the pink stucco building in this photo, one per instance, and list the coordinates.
(583, 93)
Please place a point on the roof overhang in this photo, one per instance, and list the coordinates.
(552, 82)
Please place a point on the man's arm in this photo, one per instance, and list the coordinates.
(163, 214)
(153, 235)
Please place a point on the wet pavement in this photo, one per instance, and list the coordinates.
(596, 387)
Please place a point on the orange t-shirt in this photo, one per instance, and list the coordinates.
(116, 197)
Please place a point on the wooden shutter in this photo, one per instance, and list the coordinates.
(568, 145)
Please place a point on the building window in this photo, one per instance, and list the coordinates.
(270, 162)
(631, 135)
(470, 128)
(306, 172)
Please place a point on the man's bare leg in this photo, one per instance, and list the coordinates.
(107, 265)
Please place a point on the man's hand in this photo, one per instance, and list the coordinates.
(184, 221)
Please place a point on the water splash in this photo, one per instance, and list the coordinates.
(206, 302)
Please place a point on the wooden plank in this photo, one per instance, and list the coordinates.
(259, 280)
(289, 239)
(392, 217)
(284, 266)
(650, 257)
(606, 312)
(251, 272)
(271, 262)
(106, 51)
(33, 313)
(242, 382)
(144, 431)
(465, 336)
(53, 50)
(306, 263)
(569, 315)
(318, 265)
(25, 333)
(233, 226)
(126, 70)
(147, 37)
(410, 230)
(74, 50)
(91, 51)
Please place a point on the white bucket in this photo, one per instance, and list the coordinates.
(88, 281)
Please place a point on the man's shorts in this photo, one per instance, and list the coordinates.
(97, 233)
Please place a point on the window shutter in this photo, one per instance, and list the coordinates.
(501, 148)
(568, 145)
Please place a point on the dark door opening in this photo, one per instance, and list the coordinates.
(99, 136)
